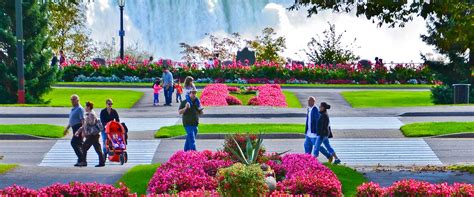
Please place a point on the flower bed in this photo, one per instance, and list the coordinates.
(214, 95)
(261, 72)
(416, 188)
(196, 171)
(269, 95)
(72, 189)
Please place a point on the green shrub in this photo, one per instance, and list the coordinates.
(442, 94)
(241, 180)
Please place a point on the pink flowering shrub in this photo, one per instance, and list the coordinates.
(187, 171)
(415, 188)
(214, 95)
(233, 89)
(199, 192)
(306, 175)
(71, 189)
(232, 100)
(271, 95)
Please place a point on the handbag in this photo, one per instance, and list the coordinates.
(94, 130)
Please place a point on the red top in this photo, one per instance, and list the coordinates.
(179, 88)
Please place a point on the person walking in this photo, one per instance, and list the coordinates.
(76, 120)
(324, 133)
(179, 90)
(106, 115)
(188, 86)
(167, 86)
(190, 115)
(91, 131)
(62, 58)
(311, 128)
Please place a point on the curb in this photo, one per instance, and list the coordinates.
(222, 136)
(420, 114)
(456, 135)
(7, 136)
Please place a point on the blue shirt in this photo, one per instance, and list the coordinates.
(167, 78)
(76, 115)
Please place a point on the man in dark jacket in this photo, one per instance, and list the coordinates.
(190, 113)
(312, 117)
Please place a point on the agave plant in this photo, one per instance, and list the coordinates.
(250, 154)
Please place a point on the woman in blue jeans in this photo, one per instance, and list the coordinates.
(106, 115)
(324, 133)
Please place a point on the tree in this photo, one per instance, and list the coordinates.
(38, 75)
(449, 22)
(225, 47)
(68, 29)
(330, 50)
(267, 46)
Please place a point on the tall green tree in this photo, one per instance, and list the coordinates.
(450, 24)
(38, 75)
(330, 49)
(268, 46)
(68, 29)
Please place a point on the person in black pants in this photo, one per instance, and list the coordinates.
(91, 130)
(76, 120)
(106, 115)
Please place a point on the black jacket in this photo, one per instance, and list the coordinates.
(105, 117)
(323, 125)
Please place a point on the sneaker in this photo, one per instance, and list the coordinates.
(330, 159)
(76, 165)
(100, 165)
(337, 161)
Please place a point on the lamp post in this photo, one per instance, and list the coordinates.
(121, 4)
(19, 51)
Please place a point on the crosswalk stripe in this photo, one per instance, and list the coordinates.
(62, 154)
(384, 152)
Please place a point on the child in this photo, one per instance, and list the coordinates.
(179, 91)
(156, 92)
(188, 86)
(117, 142)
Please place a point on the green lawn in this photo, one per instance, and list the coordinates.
(60, 97)
(291, 99)
(41, 130)
(436, 128)
(462, 168)
(4, 168)
(137, 178)
(350, 178)
(102, 84)
(178, 130)
(367, 99)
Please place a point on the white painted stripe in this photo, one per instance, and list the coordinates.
(148, 124)
(62, 154)
(384, 152)
(365, 123)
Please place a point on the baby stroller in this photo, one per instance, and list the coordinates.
(116, 142)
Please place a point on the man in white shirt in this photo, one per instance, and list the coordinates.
(312, 117)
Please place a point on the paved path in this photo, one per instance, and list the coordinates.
(62, 155)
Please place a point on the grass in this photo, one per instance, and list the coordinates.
(436, 128)
(137, 178)
(60, 97)
(41, 130)
(350, 178)
(291, 99)
(115, 84)
(178, 130)
(368, 99)
(4, 168)
(462, 168)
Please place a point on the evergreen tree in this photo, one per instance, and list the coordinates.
(38, 75)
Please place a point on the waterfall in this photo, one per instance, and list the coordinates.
(160, 25)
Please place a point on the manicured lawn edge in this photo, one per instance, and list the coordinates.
(462, 168)
(426, 129)
(39, 130)
(387, 98)
(4, 168)
(141, 85)
(349, 178)
(178, 130)
(137, 178)
(60, 97)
